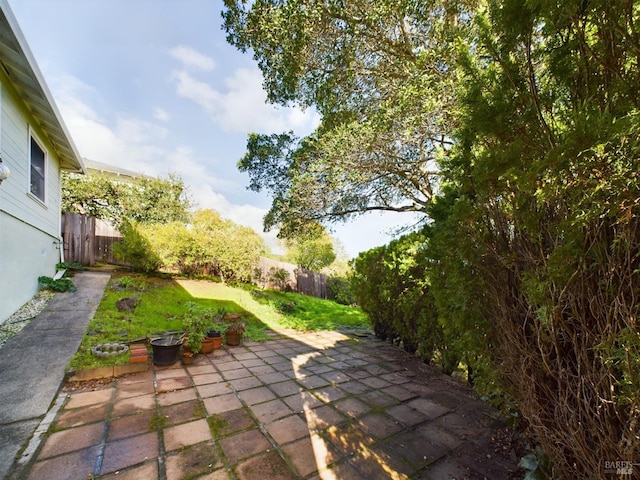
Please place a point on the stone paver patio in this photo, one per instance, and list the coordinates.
(313, 406)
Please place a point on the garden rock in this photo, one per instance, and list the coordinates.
(127, 304)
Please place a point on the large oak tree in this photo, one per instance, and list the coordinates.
(379, 73)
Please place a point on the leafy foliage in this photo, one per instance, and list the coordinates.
(135, 249)
(209, 246)
(279, 277)
(392, 286)
(543, 205)
(143, 200)
(58, 285)
(384, 100)
(232, 248)
(69, 266)
(196, 322)
(312, 249)
(339, 290)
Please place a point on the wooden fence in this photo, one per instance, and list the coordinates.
(79, 238)
(106, 235)
(88, 240)
(295, 279)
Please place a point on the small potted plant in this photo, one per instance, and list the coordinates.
(214, 333)
(196, 326)
(234, 332)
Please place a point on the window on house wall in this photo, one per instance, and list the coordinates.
(37, 170)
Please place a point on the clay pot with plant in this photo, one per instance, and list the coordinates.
(234, 332)
(195, 325)
(213, 338)
(214, 332)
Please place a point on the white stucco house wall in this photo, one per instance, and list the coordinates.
(36, 146)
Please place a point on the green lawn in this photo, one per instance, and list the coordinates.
(163, 300)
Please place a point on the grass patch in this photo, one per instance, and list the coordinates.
(302, 312)
(156, 422)
(216, 425)
(158, 304)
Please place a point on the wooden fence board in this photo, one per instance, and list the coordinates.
(299, 279)
(106, 235)
(79, 238)
(87, 240)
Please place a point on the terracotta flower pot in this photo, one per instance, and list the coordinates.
(216, 337)
(187, 357)
(208, 344)
(233, 338)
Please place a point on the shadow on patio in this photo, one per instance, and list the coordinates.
(324, 405)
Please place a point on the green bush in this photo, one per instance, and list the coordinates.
(391, 284)
(178, 249)
(279, 277)
(135, 249)
(209, 246)
(59, 285)
(339, 290)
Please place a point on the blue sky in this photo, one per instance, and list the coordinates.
(152, 86)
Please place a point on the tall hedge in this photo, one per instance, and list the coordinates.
(392, 285)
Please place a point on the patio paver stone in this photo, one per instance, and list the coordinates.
(312, 406)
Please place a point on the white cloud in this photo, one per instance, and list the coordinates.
(242, 107)
(193, 59)
(161, 114)
(136, 144)
(199, 92)
(124, 141)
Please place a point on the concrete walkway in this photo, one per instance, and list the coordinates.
(33, 363)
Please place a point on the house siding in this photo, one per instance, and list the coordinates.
(29, 228)
(15, 197)
(27, 253)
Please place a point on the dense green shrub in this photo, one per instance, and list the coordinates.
(392, 285)
(135, 249)
(177, 248)
(464, 310)
(230, 251)
(514, 126)
(208, 246)
(339, 290)
(541, 232)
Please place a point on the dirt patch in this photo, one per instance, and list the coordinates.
(127, 304)
(88, 385)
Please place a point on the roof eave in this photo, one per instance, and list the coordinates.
(25, 75)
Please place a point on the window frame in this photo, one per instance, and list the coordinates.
(34, 193)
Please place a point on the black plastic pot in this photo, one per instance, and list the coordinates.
(166, 350)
